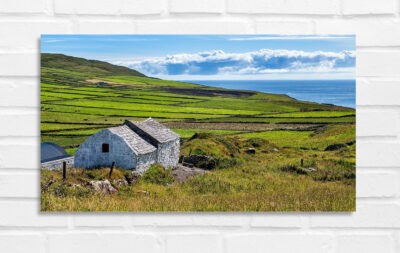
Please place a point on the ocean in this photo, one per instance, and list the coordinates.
(337, 92)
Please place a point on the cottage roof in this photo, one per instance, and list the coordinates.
(156, 130)
(50, 151)
(134, 141)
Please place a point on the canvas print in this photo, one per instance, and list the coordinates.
(185, 123)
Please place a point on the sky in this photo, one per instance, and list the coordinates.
(213, 57)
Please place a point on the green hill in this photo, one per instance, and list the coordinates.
(92, 67)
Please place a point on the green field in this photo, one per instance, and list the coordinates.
(73, 107)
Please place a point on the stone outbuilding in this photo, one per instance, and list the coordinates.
(164, 139)
(53, 156)
(134, 145)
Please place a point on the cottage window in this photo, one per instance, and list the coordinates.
(105, 148)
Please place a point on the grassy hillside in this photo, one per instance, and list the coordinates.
(74, 106)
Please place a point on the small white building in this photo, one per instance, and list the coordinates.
(134, 145)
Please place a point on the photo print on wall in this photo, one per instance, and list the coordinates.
(184, 123)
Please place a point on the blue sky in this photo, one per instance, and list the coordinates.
(209, 57)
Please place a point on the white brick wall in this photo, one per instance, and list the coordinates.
(375, 227)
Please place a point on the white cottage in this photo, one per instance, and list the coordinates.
(134, 145)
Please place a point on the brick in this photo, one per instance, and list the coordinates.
(377, 123)
(23, 6)
(15, 92)
(142, 7)
(377, 92)
(109, 27)
(365, 243)
(87, 7)
(19, 185)
(106, 220)
(15, 124)
(369, 32)
(278, 243)
(199, 27)
(26, 214)
(368, 215)
(318, 7)
(200, 6)
(275, 220)
(193, 243)
(378, 64)
(378, 154)
(369, 7)
(161, 219)
(377, 184)
(22, 243)
(26, 34)
(102, 242)
(19, 64)
(284, 27)
(223, 220)
(104, 7)
(10, 156)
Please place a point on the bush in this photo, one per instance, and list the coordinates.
(257, 142)
(156, 174)
(227, 162)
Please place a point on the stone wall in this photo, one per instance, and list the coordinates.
(90, 153)
(57, 164)
(168, 153)
(145, 161)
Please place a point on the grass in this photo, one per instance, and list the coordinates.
(257, 185)
(227, 122)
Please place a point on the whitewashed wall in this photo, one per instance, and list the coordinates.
(375, 227)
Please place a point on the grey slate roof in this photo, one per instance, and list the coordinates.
(156, 130)
(136, 143)
(50, 151)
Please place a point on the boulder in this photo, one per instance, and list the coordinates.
(103, 186)
(120, 182)
(335, 146)
(250, 151)
(200, 161)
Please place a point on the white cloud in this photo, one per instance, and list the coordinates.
(261, 62)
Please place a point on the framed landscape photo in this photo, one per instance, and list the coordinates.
(184, 123)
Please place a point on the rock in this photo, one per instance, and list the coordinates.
(250, 151)
(200, 161)
(133, 177)
(142, 192)
(335, 146)
(103, 186)
(120, 182)
(311, 169)
(182, 173)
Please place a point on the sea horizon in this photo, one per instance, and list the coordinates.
(340, 92)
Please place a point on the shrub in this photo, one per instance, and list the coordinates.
(257, 142)
(227, 162)
(156, 174)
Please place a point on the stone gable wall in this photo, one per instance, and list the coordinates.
(90, 153)
(168, 153)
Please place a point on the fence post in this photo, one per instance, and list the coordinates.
(64, 171)
(301, 162)
(111, 169)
